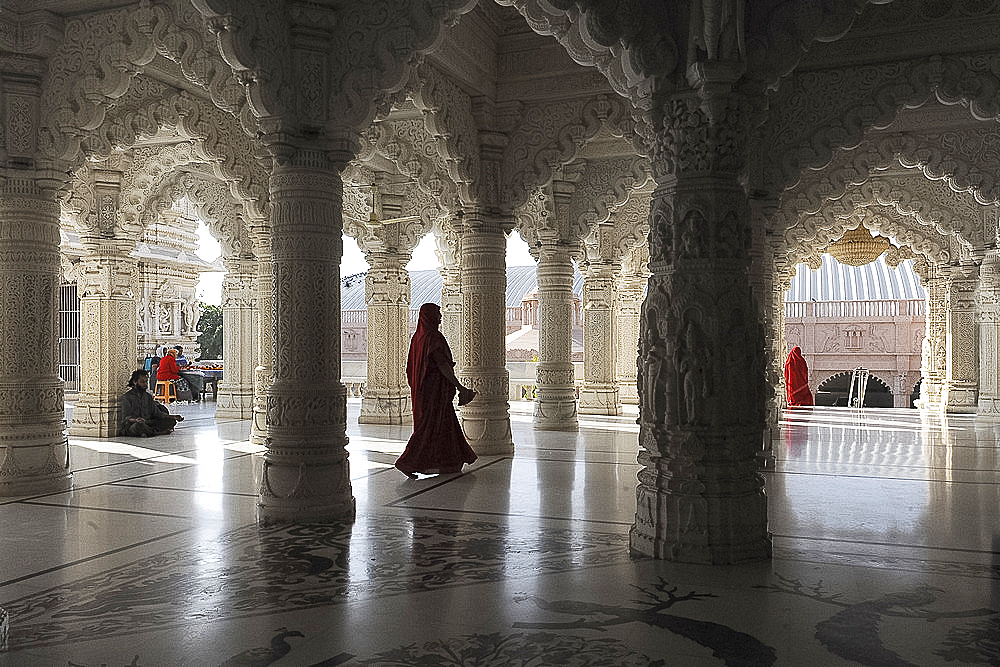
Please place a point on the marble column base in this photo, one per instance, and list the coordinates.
(556, 411)
(628, 393)
(961, 400)
(713, 515)
(988, 405)
(487, 427)
(33, 462)
(234, 403)
(599, 400)
(391, 410)
(96, 417)
(316, 490)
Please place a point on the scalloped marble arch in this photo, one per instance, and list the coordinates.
(830, 185)
(949, 80)
(386, 140)
(907, 202)
(219, 142)
(213, 202)
(532, 156)
(882, 219)
(101, 55)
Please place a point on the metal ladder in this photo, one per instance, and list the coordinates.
(859, 379)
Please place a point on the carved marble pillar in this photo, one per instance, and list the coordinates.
(700, 496)
(486, 420)
(934, 347)
(387, 394)
(34, 453)
(108, 285)
(962, 379)
(631, 285)
(305, 476)
(989, 335)
(599, 394)
(448, 242)
(263, 373)
(236, 390)
(555, 401)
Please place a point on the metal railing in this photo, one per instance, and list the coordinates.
(846, 309)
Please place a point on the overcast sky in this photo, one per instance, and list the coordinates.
(210, 285)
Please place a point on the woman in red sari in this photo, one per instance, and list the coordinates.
(797, 379)
(437, 444)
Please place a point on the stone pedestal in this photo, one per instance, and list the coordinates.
(599, 394)
(34, 454)
(486, 420)
(107, 285)
(236, 391)
(555, 400)
(305, 476)
(387, 394)
(962, 379)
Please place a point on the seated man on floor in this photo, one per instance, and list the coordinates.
(141, 415)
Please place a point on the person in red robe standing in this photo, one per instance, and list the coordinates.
(437, 445)
(797, 379)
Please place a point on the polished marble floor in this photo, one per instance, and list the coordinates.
(886, 552)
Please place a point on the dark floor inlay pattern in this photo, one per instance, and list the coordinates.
(252, 571)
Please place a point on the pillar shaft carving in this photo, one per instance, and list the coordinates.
(486, 420)
(239, 303)
(387, 394)
(450, 252)
(962, 380)
(34, 453)
(108, 284)
(305, 475)
(989, 335)
(934, 347)
(599, 394)
(555, 401)
(626, 333)
(700, 496)
(263, 373)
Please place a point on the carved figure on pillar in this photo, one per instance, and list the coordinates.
(700, 301)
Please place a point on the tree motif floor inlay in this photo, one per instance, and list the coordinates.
(253, 570)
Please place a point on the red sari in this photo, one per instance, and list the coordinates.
(437, 444)
(797, 379)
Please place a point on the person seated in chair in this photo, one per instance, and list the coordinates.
(141, 415)
(194, 377)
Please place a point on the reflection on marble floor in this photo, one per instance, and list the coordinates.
(886, 552)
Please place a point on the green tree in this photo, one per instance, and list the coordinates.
(210, 325)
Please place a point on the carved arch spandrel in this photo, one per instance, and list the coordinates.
(102, 54)
(447, 111)
(928, 203)
(413, 151)
(548, 136)
(215, 137)
(371, 56)
(213, 203)
(605, 187)
(820, 112)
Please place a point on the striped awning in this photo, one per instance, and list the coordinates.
(838, 282)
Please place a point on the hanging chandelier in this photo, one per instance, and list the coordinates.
(858, 247)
